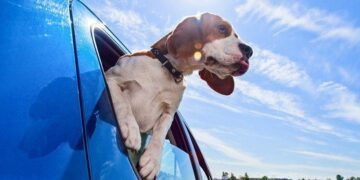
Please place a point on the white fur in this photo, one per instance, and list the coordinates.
(226, 51)
(145, 98)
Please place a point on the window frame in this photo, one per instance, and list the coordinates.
(108, 35)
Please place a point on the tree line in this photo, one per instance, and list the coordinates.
(231, 176)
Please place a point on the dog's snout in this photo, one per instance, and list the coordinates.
(247, 50)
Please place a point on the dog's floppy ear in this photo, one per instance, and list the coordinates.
(222, 86)
(161, 44)
(182, 42)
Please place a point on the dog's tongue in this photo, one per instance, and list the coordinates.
(245, 64)
(242, 70)
(222, 86)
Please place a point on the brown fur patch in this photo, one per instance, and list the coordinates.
(209, 27)
(182, 42)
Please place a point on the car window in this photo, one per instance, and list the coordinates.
(107, 155)
(204, 169)
(175, 163)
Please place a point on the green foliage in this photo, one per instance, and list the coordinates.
(246, 177)
(339, 177)
(232, 177)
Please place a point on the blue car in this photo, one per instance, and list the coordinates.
(57, 119)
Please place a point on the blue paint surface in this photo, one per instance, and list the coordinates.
(40, 126)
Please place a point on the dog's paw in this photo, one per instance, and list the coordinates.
(150, 163)
(131, 135)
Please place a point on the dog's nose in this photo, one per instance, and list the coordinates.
(246, 50)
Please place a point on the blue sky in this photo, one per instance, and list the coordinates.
(296, 113)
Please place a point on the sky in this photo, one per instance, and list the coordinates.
(296, 112)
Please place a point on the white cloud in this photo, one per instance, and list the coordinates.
(193, 94)
(129, 24)
(220, 146)
(311, 141)
(333, 157)
(313, 125)
(243, 159)
(126, 19)
(343, 103)
(280, 101)
(280, 69)
(324, 24)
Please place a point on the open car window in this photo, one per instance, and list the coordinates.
(176, 162)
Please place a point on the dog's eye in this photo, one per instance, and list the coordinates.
(222, 29)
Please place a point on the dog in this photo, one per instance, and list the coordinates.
(146, 87)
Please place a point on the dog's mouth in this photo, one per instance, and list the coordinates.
(242, 67)
(237, 69)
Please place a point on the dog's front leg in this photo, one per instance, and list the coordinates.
(151, 159)
(128, 126)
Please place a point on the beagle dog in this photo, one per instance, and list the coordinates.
(147, 87)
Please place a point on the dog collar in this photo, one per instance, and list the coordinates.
(178, 76)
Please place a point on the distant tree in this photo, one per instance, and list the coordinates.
(352, 178)
(246, 176)
(358, 178)
(225, 175)
(264, 178)
(232, 177)
(339, 177)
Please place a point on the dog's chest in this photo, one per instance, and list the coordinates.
(149, 102)
(151, 91)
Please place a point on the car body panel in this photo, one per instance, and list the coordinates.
(40, 126)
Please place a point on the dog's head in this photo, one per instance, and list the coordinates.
(212, 42)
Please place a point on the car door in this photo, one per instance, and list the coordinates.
(40, 123)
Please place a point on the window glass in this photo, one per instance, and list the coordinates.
(202, 172)
(175, 163)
